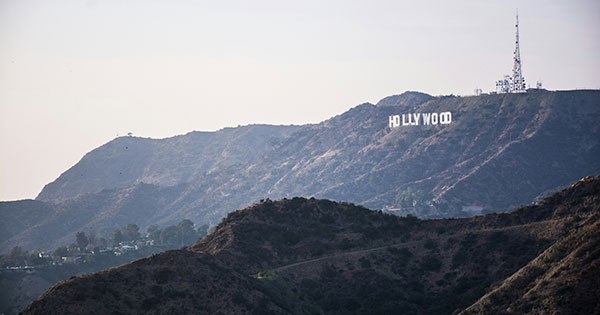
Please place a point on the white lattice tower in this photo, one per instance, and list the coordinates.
(518, 82)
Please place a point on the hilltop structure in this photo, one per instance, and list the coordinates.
(516, 82)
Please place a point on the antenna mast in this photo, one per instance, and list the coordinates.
(518, 82)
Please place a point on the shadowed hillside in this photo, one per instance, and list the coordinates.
(308, 256)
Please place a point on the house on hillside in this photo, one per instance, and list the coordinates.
(44, 255)
(71, 259)
(128, 247)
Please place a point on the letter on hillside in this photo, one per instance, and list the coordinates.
(394, 121)
(416, 122)
(434, 119)
(426, 119)
(404, 121)
(445, 118)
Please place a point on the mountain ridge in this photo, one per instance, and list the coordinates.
(138, 162)
(473, 165)
(355, 260)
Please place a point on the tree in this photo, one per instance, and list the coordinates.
(81, 240)
(169, 236)
(116, 237)
(186, 232)
(153, 233)
(32, 259)
(15, 252)
(103, 242)
(60, 252)
(185, 224)
(93, 238)
(72, 249)
(131, 232)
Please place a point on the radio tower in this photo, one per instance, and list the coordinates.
(518, 82)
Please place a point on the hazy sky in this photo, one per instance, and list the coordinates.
(74, 74)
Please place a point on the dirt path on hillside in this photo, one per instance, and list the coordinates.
(360, 251)
(332, 256)
(368, 250)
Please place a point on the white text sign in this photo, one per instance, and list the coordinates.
(420, 119)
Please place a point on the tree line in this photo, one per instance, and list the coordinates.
(174, 236)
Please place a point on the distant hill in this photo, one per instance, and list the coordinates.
(307, 256)
(500, 151)
(127, 161)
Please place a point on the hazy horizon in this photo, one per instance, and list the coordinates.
(74, 74)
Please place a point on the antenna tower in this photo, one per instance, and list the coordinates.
(518, 82)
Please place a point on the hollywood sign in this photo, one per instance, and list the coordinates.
(417, 119)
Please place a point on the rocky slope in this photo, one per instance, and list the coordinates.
(316, 256)
(499, 151)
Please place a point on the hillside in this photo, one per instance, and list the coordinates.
(126, 161)
(311, 256)
(500, 151)
(18, 288)
(102, 212)
(18, 216)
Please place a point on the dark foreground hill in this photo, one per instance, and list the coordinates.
(306, 256)
(500, 151)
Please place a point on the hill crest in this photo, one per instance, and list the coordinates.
(417, 266)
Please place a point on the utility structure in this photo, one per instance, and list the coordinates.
(516, 82)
